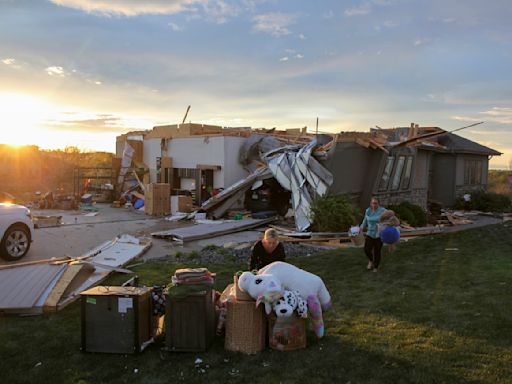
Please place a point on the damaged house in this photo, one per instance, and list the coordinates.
(190, 157)
(415, 164)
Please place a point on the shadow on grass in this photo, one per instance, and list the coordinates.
(330, 360)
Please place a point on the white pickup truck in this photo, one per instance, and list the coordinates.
(16, 231)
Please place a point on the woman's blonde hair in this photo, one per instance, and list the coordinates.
(271, 233)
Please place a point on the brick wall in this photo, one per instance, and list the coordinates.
(416, 196)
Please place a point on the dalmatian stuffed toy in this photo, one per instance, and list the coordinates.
(269, 283)
(290, 302)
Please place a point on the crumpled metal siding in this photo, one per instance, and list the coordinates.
(298, 171)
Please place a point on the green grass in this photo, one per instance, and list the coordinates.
(430, 315)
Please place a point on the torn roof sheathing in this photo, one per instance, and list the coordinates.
(21, 288)
(25, 289)
(205, 231)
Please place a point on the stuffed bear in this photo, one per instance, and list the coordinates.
(268, 284)
(290, 302)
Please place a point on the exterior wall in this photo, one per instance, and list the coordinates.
(233, 170)
(349, 164)
(187, 152)
(151, 152)
(442, 179)
(417, 192)
(462, 188)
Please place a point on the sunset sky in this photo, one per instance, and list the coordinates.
(80, 72)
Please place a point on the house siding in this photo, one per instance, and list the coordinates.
(442, 178)
(460, 184)
(350, 165)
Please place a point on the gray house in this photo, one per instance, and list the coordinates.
(415, 164)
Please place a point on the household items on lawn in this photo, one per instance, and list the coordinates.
(245, 323)
(116, 319)
(286, 333)
(193, 276)
(269, 283)
(290, 301)
(388, 227)
(190, 310)
(356, 236)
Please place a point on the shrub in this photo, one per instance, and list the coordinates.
(486, 202)
(333, 213)
(411, 213)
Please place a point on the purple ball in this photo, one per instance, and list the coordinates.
(390, 235)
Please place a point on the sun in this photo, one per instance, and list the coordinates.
(22, 118)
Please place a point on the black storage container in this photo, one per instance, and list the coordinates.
(116, 319)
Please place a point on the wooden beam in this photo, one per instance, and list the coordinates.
(65, 279)
(209, 167)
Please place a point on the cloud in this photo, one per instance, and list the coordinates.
(419, 42)
(131, 7)
(284, 58)
(175, 27)
(299, 56)
(302, 37)
(328, 15)
(359, 10)
(56, 71)
(13, 63)
(274, 23)
(220, 11)
(94, 123)
(495, 115)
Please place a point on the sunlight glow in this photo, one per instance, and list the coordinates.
(22, 116)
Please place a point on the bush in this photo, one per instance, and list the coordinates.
(411, 213)
(333, 213)
(486, 202)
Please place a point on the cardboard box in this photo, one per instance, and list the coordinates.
(181, 204)
(156, 199)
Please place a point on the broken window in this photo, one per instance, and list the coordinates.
(384, 181)
(472, 172)
(406, 178)
(397, 176)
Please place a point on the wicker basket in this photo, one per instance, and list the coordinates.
(358, 240)
(286, 334)
(239, 294)
(246, 327)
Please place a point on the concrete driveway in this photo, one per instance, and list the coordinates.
(80, 233)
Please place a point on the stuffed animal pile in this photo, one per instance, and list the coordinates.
(271, 282)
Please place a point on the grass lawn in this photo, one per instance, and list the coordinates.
(430, 315)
